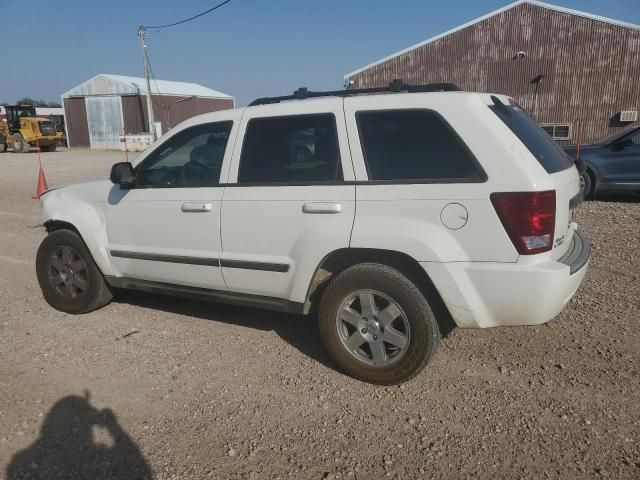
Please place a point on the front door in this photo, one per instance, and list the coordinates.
(167, 228)
(290, 201)
(623, 160)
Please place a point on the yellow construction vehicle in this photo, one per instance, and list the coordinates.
(22, 129)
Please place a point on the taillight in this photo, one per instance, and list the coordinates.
(529, 219)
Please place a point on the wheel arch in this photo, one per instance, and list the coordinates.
(341, 259)
(53, 225)
(100, 259)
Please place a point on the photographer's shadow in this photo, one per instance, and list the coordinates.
(78, 441)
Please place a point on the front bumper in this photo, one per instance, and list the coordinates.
(480, 295)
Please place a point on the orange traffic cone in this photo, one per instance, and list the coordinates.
(42, 184)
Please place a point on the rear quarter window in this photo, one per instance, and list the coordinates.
(548, 153)
(414, 146)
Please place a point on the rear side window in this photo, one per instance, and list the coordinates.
(291, 150)
(414, 145)
(548, 153)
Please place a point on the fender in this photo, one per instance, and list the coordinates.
(83, 206)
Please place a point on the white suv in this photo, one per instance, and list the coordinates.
(408, 213)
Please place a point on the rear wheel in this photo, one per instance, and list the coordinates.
(377, 325)
(69, 278)
(19, 144)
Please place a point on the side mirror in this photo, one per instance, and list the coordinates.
(122, 174)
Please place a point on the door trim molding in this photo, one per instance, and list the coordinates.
(249, 265)
(210, 262)
(156, 257)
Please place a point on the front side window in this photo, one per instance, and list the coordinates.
(190, 158)
(414, 145)
(291, 150)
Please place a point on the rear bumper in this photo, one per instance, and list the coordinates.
(481, 295)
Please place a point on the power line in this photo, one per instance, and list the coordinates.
(190, 18)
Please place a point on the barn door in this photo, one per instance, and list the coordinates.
(104, 116)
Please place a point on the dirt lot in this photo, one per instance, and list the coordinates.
(161, 388)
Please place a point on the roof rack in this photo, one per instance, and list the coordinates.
(395, 86)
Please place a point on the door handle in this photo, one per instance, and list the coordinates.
(321, 207)
(196, 207)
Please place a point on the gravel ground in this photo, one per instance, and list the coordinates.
(161, 388)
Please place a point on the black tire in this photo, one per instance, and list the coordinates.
(49, 148)
(19, 144)
(91, 291)
(424, 337)
(588, 185)
(3, 144)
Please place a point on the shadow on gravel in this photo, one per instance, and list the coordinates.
(300, 331)
(77, 441)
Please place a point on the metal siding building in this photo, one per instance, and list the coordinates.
(591, 64)
(101, 109)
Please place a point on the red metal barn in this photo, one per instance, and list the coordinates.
(588, 66)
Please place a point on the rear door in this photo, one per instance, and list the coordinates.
(290, 200)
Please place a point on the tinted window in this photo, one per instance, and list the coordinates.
(300, 149)
(191, 158)
(414, 145)
(547, 152)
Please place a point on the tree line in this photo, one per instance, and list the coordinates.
(34, 102)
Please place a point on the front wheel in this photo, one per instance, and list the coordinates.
(20, 145)
(586, 183)
(377, 325)
(69, 278)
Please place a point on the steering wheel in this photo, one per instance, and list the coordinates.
(194, 173)
(159, 177)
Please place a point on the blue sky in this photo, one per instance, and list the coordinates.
(248, 48)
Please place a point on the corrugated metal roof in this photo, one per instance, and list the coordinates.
(108, 84)
(489, 15)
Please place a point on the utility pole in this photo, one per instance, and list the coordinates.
(152, 124)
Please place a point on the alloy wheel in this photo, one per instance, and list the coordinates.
(68, 273)
(373, 327)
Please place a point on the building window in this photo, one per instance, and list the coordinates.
(558, 132)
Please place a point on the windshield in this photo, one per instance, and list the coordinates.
(615, 136)
(26, 111)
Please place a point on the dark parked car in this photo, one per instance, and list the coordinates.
(612, 163)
